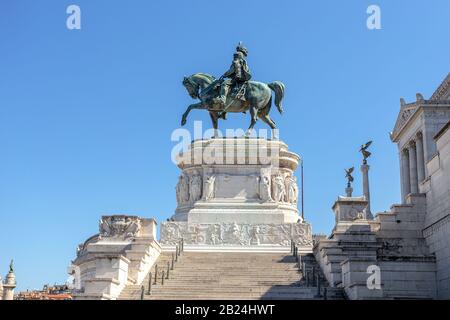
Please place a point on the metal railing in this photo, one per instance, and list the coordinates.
(296, 255)
(160, 273)
(310, 274)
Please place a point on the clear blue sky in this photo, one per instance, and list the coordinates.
(86, 115)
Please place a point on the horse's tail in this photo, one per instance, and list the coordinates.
(278, 88)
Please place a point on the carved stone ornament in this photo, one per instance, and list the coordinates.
(210, 187)
(119, 226)
(236, 234)
(278, 188)
(291, 189)
(195, 188)
(182, 190)
(265, 188)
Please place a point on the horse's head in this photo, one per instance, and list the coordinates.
(196, 82)
(191, 86)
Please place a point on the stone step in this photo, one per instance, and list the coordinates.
(234, 296)
(225, 289)
(229, 287)
(228, 275)
(211, 275)
(190, 296)
(230, 293)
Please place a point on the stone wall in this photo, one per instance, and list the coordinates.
(422, 136)
(408, 267)
(392, 244)
(437, 223)
(237, 180)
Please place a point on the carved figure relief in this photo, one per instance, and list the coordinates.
(291, 189)
(195, 188)
(255, 236)
(264, 188)
(278, 188)
(210, 187)
(182, 190)
(216, 235)
(236, 234)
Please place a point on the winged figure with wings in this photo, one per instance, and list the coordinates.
(348, 175)
(366, 154)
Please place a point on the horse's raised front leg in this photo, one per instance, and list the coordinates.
(215, 119)
(254, 118)
(192, 106)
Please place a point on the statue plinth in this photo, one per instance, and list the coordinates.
(237, 191)
(349, 208)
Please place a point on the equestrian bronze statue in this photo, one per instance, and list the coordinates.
(235, 94)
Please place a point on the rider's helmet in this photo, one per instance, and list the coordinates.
(241, 49)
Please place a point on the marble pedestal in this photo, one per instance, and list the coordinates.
(121, 254)
(237, 192)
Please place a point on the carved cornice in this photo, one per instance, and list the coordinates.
(405, 114)
(428, 231)
(443, 90)
(441, 97)
(408, 113)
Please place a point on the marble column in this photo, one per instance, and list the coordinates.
(366, 191)
(9, 285)
(420, 158)
(349, 191)
(401, 156)
(413, 167)
(405, 169)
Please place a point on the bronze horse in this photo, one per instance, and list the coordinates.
(258, 99)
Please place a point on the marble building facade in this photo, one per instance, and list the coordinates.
(409, 244)
(422, 135)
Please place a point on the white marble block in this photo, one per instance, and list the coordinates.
(240, 186)
(121, 253)
(350, 208)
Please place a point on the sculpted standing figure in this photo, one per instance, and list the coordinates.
(195, 188)
(182, 190)
(254, 236)
(239, 73)
(210, 187)
(216, 234)
(235, 234)
(278, 188)
(291, 189)
(264, 188)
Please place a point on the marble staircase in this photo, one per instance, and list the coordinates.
(233, 275)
